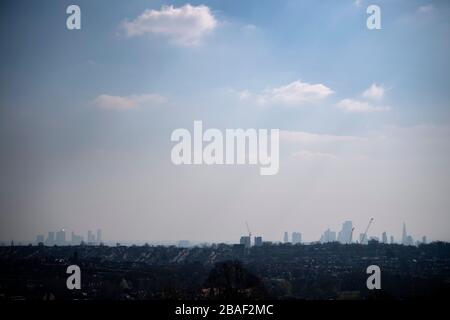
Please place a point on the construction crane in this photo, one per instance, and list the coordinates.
(248, 229)
(249, 232)
(365, 233)
(351, 235)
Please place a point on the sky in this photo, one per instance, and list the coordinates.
(86, 117)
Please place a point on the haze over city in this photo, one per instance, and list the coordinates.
(86, 118)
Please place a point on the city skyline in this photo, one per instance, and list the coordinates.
(294, 237)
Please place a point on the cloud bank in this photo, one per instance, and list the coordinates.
(183, 26)
(374, 92)
(293, 94)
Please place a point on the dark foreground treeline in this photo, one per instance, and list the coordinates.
(284, 271)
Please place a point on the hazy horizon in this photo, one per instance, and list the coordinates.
(397, 237)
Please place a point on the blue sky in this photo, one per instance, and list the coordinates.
(86, 116)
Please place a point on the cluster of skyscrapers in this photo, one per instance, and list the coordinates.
(408, 240)
(343, 236)
(59, 238)
(296, 237)
(247, 241)
(346, 236)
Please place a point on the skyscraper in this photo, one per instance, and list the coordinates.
(328, 236)
(407, 240)
(258, 241)
(76, 239)
(39, 239)
(404, 235)
(345, 234)
(286, 237)
(91, 237)
(384, 237)
(61, 237)
(99, 235)
(50, 238)
(246, 241)
(296, 237)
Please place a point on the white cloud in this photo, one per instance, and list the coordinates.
(295, 93)
(356, 106)
(109, 102)
(375, 92)
(357, 3)
(184, 26)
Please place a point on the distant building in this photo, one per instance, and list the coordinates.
(296, 237)
(407, 240)
(424, 239)
(246, 241)
(50, 238)
(61, 237)
(91, 237)
(39, 239)
(384, 237)
(76, 239)
(328, 236)
(286, 237)
(392, 239)
(345, 234)
(99, 236)
(404, 235)
(258, 241)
